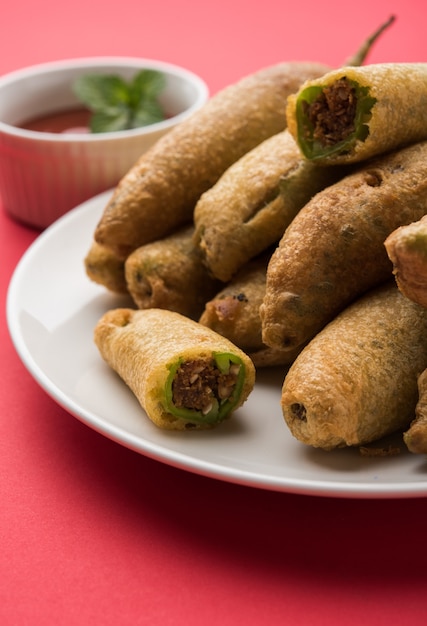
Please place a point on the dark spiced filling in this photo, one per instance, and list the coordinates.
(197, 384)
(332, 113)
(299, 411)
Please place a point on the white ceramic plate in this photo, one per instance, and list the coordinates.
(52, 309)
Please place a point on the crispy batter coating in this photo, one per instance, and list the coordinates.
(333, 251)
(160, 191)
(169, 274)
(407, 250)
(142, 346)
(234, 313)
(254, 201)
(415, 437)
(105, 268)
(356, 381)
(398, 115)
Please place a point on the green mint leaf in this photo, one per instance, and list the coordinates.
(110, 121)
(149, 112)
(120, 105)
(99, 92)
(146, 85)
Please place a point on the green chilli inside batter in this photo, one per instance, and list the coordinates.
(203, 391)
(331, 118)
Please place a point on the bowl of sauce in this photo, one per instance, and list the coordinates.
(50, 161)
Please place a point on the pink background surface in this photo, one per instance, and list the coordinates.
(93, 533)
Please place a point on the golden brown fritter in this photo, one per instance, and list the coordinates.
(162, 355)
(356, 381)
(333, 250)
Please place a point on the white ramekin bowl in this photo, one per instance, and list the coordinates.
(43, 175)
